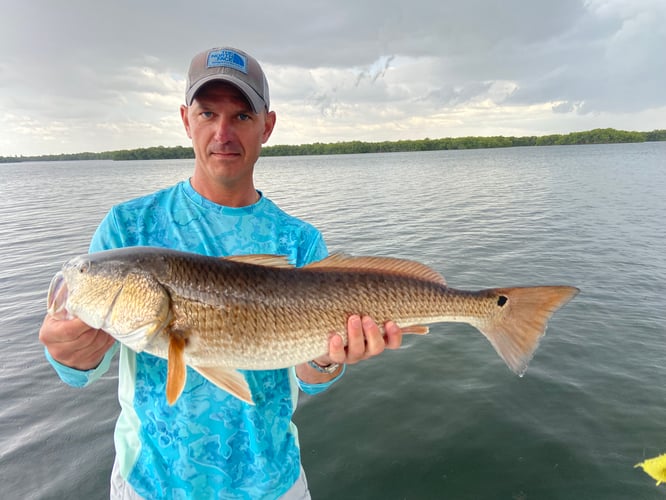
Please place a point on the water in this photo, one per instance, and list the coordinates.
(443, 417)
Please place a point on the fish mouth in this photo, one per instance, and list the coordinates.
(56, 301)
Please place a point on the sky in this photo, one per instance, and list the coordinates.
(83, 75)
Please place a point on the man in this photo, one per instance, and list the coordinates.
(210, 444)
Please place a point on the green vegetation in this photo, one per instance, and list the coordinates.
(596, 136)
(155, 153)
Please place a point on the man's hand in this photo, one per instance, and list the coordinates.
(73, 343)
(364, 341)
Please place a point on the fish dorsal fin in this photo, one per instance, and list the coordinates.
(267, 260)
(389, 265)
(231, 381)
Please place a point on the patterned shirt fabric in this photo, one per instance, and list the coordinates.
(208, 444)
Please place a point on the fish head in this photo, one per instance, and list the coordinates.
(112, 293)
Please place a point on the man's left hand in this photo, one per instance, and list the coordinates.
(365, 340)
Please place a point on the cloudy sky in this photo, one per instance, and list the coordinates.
(85, 75)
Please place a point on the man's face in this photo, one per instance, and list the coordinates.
(226, 136)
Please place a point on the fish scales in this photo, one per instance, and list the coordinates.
(264, 317)
(260, 315)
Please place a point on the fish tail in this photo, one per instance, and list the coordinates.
(521, 320)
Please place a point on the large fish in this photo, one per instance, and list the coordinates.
(255, 312)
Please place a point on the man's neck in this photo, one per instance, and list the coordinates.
(227, 196)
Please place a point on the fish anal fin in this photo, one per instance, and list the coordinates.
(231, 381)
(266, 260)
(388, 265)
(414, 330)
(177, 370)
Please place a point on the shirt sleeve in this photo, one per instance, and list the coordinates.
(312, 389)
(108, 235)
(316, 251)
(82, 378)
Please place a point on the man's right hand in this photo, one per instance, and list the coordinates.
(73, 343)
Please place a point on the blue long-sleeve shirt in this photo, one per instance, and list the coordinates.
(208, 444)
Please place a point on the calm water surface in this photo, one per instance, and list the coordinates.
(443, 417)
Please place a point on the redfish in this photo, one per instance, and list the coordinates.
(257, 312)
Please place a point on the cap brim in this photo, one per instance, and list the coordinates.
(257, 103)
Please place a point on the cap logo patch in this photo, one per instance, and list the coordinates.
(227, 59)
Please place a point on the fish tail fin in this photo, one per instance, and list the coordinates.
(521, 322)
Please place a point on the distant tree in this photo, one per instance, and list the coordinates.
(595, 136)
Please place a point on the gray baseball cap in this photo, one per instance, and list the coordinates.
(233, 66)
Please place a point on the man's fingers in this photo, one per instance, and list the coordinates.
(393, 337)
(374, 340)
(355, 340)
(102, 343)
(336, 349)
(73, 343)
(56, 331)
(364, 340)
(86, 352)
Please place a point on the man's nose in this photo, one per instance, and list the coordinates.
(225, 130)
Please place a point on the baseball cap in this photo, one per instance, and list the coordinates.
(229, 65)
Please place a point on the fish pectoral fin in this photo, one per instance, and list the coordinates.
(414, 330)
(177, 370)
(231, 381)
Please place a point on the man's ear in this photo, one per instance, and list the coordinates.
(269, 125)
(186, 119)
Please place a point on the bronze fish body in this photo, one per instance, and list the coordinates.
(219, 315)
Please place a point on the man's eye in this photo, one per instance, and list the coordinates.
(243, 117)
(207, 114)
